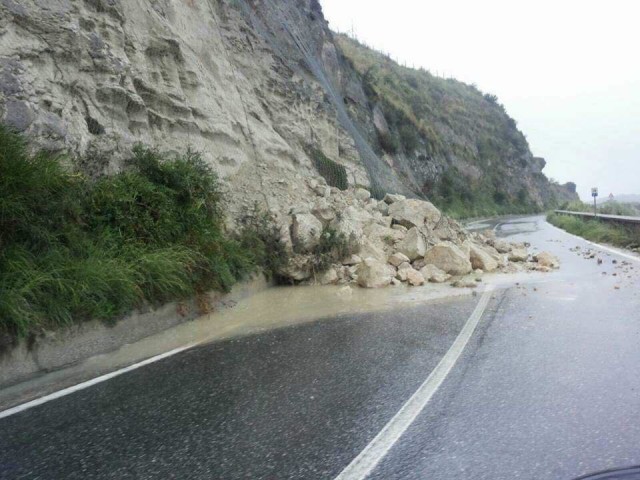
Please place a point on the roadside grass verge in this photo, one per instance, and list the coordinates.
(73, 248)
(597, 231)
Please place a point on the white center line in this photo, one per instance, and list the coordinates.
(89, 383)
(366, 461)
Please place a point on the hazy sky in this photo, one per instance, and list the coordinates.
(568, 71)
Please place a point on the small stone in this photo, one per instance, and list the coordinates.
(464, 284)
(390, 198)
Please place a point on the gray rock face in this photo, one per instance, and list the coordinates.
(226, 80)
(449, 258)
(18, 114)
(102, 75)
(222, 78)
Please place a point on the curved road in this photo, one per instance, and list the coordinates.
(548, 387)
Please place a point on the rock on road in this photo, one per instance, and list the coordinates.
(547, 388)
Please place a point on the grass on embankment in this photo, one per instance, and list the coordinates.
(597, 230)
(73, 248)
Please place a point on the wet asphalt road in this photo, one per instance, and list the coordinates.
(547, 388)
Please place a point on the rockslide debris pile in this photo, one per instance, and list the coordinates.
(398, 240)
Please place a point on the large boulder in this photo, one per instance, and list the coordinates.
(448, 229)
(545, 259)
(519, 254)
(413, 245)
(482, 259)
(403, 271)
(306, 231)
(398, 259)
(381, 235)
(501, 246)
(330, 277)
(373, 273)
(368, 248)
(415, 278)
(414, 213)
(383, 207)
(449, 258)
(296, 269)
(433, 274)
(351, 222)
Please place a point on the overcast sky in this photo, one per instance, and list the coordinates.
(568, 71)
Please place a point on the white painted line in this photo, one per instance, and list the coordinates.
(597, 245)
(366, 461)
(89, 383)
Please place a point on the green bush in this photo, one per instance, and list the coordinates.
(606, 208)
(260, 236)
(72, 249)
(332, 248)
(409, 138)
(596, 230)
(388, 142)
(334, 173)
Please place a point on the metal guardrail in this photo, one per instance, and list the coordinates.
(608, 218)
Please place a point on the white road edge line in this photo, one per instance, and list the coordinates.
(89, 383)
(368, 459)
(597, 245)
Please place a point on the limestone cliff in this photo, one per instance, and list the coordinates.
(259, 87)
